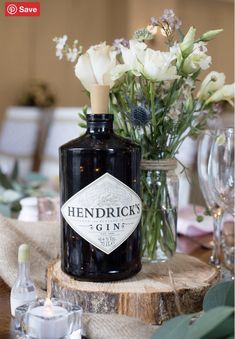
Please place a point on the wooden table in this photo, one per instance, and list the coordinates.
(185, 245)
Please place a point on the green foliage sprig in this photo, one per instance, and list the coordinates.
(215, 322)
(13, 189)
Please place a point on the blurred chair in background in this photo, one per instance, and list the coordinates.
(18, 138)
(63, 129)
(25, 127)
(34, 135)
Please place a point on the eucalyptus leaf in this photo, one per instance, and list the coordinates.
(221, 294)
(5, 210)
(50, 193)
(17, 187)
(85, 109)
(82, 125)
(225, 329)
(174, 328)
(31, 192)
(208, 326)
(4, 181)
(15, 171)
(9, 196)
(15, 207)
(34, 177)
(82, 116)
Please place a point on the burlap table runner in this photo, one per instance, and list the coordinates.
(43, 239)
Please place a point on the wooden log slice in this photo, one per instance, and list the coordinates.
(157, 293)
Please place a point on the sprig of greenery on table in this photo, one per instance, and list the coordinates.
(215, 322)
(13, 189)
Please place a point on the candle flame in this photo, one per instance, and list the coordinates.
(48, 307)
(48, 303)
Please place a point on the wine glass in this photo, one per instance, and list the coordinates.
(221, 183)
(204, 148)
(221, 169)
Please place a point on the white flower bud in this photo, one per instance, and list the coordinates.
(210, 35)
(186, 45)
(212, 82)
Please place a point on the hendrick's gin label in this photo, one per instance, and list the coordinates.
(105, 213)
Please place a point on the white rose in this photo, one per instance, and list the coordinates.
(132, 59)
(139, 59)
(212, 82)
(157, 66)
(133, 56)
(226, 93)
(198, 59)
(95, 66)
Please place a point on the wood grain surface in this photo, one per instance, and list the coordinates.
(157, 293)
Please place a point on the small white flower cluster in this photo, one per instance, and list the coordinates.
(60, 45)
(62, 49)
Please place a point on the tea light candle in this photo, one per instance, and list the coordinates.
(48, 322)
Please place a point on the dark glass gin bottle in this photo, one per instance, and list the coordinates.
(100, 206)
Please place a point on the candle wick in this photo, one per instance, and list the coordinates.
(48, 303)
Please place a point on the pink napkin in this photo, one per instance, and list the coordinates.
(187, 221)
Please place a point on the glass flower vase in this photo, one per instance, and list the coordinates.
(159, 193)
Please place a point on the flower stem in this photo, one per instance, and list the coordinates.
(152, 97)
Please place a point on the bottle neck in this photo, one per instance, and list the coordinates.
(23, 270)
(100, 123)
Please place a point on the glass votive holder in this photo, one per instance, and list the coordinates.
(50, 319)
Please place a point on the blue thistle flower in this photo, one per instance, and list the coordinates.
(139, 115)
